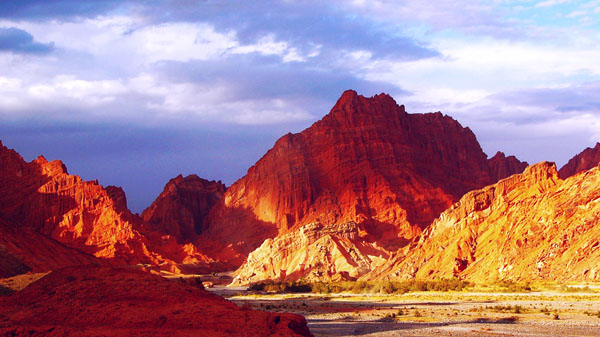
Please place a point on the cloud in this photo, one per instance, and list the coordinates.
(295, 23)
(142, 159)
(535, 124)
(473, 17)
(189, 72)
(19, 41)
(55, 9)
(177, 73)
(551, 3)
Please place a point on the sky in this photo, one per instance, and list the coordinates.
(133, 93)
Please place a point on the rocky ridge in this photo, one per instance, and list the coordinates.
(531, 226)
(587, 159)
(182, 209)
(41, 196)
(369, 162)
(110, 301)
(314, 252)
(24, 250)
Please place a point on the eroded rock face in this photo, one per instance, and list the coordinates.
(502, 166)
(587, 159)
(102, 301)
(368, 161)
(182, 209)
(313, 252)
(24, 250)
(41, 196)
(531, 226)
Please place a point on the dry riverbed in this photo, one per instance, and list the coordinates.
(436, 313)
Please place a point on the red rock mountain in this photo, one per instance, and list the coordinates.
(588, 158)
(368, 161)
(181, 210)
(502, 166)
(24, 250)
(42, 197)
(313, 252)
(531, 226)
(101, 301)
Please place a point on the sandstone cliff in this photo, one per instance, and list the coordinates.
(502, 166)
(314, 252)
(181, 210)
(24, 250)
(531, 226)
(41, 196)
(583, 161)
(369, 162)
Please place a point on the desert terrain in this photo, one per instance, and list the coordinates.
(466, 313)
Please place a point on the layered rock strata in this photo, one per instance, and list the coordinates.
(587, 159)
(314, 252)
(42, 197)
(182, 209)
(531, 226)
(368, 161)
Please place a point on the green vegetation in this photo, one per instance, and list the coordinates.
(517, 309)
(513, 287)
(567, 289)
(403, 287)
(361, 287)
(592, 313)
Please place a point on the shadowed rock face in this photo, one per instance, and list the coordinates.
(23, 250)
(369, 162)
(502, 166)
(182, 208)
(531, 226)
(587, 159)
(104, 301)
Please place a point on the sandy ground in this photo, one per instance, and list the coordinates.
(436, 314)
(546, 313)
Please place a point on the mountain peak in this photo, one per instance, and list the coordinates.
(587, 159)
(192, 197)
(367, 162)
(354, 109)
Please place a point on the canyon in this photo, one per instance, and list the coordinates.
(369, 192)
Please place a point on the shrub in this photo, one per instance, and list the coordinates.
(361, 287)
(514, 287)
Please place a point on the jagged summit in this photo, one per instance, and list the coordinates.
(182, 208)
(587, 159)
(40, 197)
(530, 226)
(367, 161)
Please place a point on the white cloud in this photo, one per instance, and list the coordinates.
(550, 3)
(68, 88)
(182, 42)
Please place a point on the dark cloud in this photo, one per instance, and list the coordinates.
(19, 41)
(303, 24)
(139, 159)
(259, 77)
(538, 124)
(556, 101)
(55, 9)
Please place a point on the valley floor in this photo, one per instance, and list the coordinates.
(436, 314)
